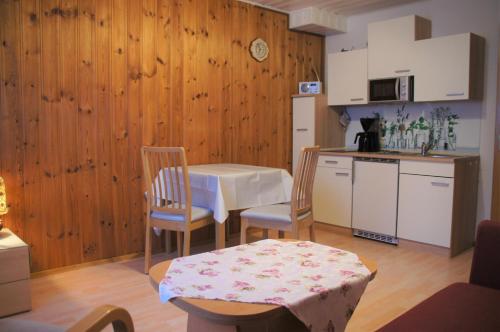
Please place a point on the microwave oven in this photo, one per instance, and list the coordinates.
(391, 89)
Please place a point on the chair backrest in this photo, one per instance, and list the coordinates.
(303, 180)
(167, 180)
(485, 270)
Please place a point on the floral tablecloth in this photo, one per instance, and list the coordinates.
(320, 285)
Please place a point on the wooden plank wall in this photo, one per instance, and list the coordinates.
(86, 83)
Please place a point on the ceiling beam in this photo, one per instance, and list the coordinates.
(265, 6)
(315, 20)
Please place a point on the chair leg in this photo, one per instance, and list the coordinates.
(281, 234)
(168, 242)
(187, 242)
(295, 233)
(312, 235)
(227, 227)
(265, 233)
(243, 231)
(179, 243)
(147, 250)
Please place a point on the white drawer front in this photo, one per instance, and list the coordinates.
(427, 168)
(14, 264)
(335, 162)
(15, 297)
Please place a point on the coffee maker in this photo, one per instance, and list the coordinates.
(368, 139)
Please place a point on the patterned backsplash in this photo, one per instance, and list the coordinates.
(450, 126)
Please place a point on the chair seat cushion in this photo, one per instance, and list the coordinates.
(458, 307)
(196, 214)
(276, 212)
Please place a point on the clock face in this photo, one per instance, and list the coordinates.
(259, 49)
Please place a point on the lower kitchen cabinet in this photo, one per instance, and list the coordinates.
(332, 192)
(425, 209)
(434, 201)
(375, 197)
(437, 202)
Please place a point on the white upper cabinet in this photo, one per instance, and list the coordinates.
(444, 68)
(390, 45)
(449, 68)
(348, 78)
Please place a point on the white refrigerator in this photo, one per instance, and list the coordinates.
(375, 198)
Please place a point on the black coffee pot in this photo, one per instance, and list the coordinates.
(368, 139)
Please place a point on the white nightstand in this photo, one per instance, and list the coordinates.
(15, 289)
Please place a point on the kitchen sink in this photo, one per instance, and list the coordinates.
(440, 155)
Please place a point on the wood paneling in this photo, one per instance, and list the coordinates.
(86, 83)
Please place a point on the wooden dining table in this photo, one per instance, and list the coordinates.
(232, 187)
(221, 316)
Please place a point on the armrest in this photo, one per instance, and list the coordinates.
(100, 317)
(485, 270)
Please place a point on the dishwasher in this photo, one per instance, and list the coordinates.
(375, 199)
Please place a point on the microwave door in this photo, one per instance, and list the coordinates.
(397, 88)
(384, 90)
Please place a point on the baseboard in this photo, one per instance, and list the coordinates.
(87, 264)
(333, 228)
(409, 244)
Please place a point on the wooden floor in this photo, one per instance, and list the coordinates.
(406, 276)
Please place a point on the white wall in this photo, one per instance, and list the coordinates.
(449, 17)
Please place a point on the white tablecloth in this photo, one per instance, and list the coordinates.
(225, 187)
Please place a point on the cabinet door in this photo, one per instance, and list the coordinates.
(375, 197)
(425, 209)
(332, 196)
(303, 125)
(390, 45)
(442, 68)
(348, 78)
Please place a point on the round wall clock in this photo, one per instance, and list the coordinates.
(259, 49)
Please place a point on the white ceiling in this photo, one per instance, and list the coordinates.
(341, 7)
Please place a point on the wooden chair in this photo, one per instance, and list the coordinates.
(293, 216)
(169, 205)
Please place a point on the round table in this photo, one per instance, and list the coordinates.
(219, 315)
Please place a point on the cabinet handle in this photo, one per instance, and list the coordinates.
(357, 99)
(341, 174)
(331, 162)
(456, 94)
(440, 184)
(400, 71)
(301, 129)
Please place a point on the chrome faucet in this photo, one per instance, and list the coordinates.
(424, 149)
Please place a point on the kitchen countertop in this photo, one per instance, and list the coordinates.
(434, 156)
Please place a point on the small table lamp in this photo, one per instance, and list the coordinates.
(3, 201)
